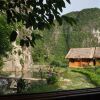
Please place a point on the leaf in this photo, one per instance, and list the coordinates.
(34, 25)
(68, 1)
(60, 8)
(10, 5)
(13, 36)
(40, 25)
(59, 19)
(9, 13)
(40, 2)
(50, 18)
(2, 3)
(38, 9)
(62, 3)
(18, 17)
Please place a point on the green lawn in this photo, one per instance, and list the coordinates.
(93, 74)
(77, 81)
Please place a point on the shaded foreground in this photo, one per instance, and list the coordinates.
(68, 79)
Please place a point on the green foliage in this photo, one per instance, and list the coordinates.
(4, 36)
(1, 61)
(40, 88)
(91, 74)
(98, 70)
(48, 50)
(55, 63)
(21, 86)
(13, 36)
(39, 53)
(58, 63)
(57, 41)
(34, 38)
(5, 45)
(39, 14)
(52, 78)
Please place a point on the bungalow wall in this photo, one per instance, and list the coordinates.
(76, 63)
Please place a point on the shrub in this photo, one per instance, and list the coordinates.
(21, 85)
(97, 70)
(52, 79)
(55, 63)
(1, 63)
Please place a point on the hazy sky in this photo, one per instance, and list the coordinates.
(77, 5)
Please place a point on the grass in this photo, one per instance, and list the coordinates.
(77, 80)
(68, 80)
(39, 88)
(93, 74)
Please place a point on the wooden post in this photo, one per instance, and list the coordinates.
(81, 62)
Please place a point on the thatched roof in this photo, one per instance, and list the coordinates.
(81, 53)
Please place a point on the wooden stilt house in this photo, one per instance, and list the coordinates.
(84, 57)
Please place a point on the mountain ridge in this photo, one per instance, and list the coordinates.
(79, 35)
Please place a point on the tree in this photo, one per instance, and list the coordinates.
(4, 36)
(37, 13)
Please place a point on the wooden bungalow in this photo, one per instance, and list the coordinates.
(84, 57)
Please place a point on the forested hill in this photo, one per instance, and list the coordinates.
(57, 41)
(83, 34)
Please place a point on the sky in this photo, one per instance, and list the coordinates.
(77, 5)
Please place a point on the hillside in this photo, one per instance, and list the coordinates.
(56, 42)
(59, 39)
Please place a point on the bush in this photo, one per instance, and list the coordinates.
(55, 63)
(1, 63)
(52, 79)
(58, 63)
(21, 85)
(98, 71)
